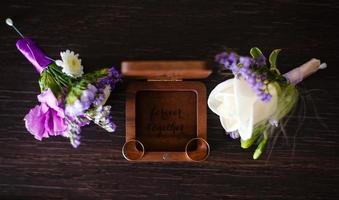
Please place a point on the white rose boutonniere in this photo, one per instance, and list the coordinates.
(251, 104)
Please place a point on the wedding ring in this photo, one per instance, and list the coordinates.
(197, 149)
(133, 150)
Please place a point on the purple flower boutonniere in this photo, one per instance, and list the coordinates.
(69, 97)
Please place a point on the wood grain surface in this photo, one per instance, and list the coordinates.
(303, 164)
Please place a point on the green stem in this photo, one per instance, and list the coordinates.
(261, 146)
(58, 78)
(54, 78)
(256, 133)
(59, 75)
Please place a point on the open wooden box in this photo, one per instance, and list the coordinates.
(163, 111)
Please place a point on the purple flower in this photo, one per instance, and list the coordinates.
(243, 67)
(245, 61)
(232, 57)
(80, 106)
(94, 94)
(221, 58)
(251, 80)
(113, 73)
(88, 96)
(228, 60)
(259, 85)
(74, 129)
(46, 119)
(266, 97)
(111, 79)
(234, 68)
(234, 134)
(260, 61)
(102, 96)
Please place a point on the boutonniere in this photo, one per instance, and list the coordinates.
(70, 98)
(253, 103)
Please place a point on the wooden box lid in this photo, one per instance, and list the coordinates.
(165, 70)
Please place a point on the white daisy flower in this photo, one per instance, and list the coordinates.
(70, 63)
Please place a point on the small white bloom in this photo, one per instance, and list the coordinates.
(70, 63)
(74, 109)
(239, 108)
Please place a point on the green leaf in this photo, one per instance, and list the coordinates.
(46, 81)
(287, 100)
(255, 52)
(61, 78)
(53, 77)
(94, 76)
(273, 58)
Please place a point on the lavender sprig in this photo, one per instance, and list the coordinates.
(246, 67)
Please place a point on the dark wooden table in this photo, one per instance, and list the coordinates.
(304, 165)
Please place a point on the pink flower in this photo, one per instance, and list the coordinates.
(46, 119)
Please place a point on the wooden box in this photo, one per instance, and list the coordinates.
(163, 110)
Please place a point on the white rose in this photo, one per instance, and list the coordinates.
(239, 108)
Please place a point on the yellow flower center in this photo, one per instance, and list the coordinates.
(74, 65)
